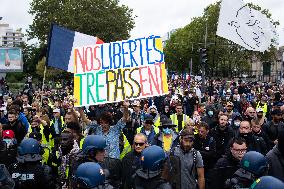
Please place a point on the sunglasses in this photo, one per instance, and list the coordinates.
(139, 143)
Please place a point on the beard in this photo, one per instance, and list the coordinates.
(66, 149)
(185, 148)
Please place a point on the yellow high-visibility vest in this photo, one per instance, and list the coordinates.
(126, 148)
(175, 120)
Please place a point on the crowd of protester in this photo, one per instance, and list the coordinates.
(227, 136)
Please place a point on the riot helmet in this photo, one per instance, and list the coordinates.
(255, 163)
(267, 182)
(89, 175)
(152, 158)
(94, 142)
(29, 146)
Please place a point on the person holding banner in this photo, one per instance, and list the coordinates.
(111, 133)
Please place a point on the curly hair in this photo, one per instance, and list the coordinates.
(106, 117)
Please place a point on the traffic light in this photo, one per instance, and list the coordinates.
(203, 56)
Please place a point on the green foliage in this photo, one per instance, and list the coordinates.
(102, 18)
(15, 77)
(30, 58)
(223, 55)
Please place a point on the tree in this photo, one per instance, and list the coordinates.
(102, 18)
(224, 56)
(30, 58)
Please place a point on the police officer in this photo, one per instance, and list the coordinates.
(28, 172)
(267, 182)
(253, 166)
(93, 150)
(90, 175)
(150, 175)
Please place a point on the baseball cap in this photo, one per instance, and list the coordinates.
(259, 110)
(166, 122)
(8, 134)
(186, 133)
(148, 117)
(57, 110)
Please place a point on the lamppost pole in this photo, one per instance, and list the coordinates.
(203, 65)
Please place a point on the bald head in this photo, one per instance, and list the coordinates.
(140, 142)
(251, 112)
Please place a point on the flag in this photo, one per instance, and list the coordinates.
(245, 26)
(62, 42)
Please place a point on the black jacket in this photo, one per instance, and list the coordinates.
(228, 161)
(130, 164)
(255, 143)
(18, 128)
(271, 129)
(276, 162)
(207, 148)
(7, 155)
(264, 136)
(224, 169)
(222, 138)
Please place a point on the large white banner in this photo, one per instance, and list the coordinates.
(245, 26)
(113, 72)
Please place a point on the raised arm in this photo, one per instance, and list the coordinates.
(126, 116)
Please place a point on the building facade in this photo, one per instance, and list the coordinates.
(269, 71)
(10, 37)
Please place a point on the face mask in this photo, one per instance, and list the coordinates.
(237, 123)
(210, 113)
(167, 131)
(9, 142)
(153, 114)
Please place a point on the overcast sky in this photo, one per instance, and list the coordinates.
(154, 17)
